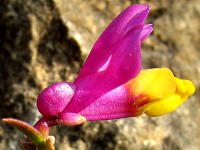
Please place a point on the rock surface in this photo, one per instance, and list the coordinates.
(46, 41)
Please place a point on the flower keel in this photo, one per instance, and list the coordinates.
(162, 91)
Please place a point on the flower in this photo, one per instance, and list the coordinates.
(110, 85)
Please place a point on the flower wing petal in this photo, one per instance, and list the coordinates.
(103, 48)
(124, 65)
(147, 29)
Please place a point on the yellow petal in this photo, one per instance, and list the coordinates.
(157, 92)
(153, 83)
(162, 106)
(184, 88)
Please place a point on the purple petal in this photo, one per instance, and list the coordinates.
(124, 65)
(55, 98)
(103, 48)
(115, 59)
(113, 105)
(147, 29)
(136, 20)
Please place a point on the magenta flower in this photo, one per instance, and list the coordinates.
(110, 84)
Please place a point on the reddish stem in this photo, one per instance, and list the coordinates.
(49, 122)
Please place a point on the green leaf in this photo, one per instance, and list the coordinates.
(33, 134)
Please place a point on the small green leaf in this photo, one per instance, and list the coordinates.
(33, 134)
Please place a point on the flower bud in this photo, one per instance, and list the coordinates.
(55, 98)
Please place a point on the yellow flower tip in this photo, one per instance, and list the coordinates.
(184, 88)
(162, 91)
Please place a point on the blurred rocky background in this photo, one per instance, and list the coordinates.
(47, 41)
